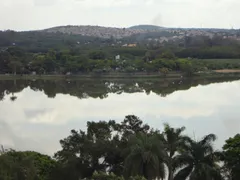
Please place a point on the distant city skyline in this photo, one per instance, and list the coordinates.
(41, 14)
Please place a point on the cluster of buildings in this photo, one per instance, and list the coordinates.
(157, 35)
(96, 31)
(178, 34)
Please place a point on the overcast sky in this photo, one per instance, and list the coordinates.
(40, 14)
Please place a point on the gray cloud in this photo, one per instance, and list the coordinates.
(10, 138)
(31, 113)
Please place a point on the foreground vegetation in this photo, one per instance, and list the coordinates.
(129, 150)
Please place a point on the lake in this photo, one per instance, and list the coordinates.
(36, 114)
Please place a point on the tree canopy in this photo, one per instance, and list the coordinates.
(129, 150)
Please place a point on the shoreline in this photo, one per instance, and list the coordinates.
(214, 73)
(93, 76)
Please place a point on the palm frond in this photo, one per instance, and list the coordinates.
(209, 139)
(182, 160)
(133, 164)
(183, 173)
(201, 156)
(180, 130)
(145, 156)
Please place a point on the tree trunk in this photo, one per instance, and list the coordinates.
(145, 174)
(170, 173)
(15, 70)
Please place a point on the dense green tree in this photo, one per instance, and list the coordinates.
(16, 67)
(99, 148)
(232, 157)
(25, 166)
(149, 56)
(5, 59)
(16, 51)
(145, 157)
(198, 160)
(132, 125)
(167, 55)
(90, 151)
(173, 140)
(50, 64)
(185, 66)
(97, 55)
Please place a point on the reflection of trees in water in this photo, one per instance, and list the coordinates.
(99, 88)
(13, 97)
(10, 87)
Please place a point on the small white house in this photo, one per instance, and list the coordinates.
(117, 57)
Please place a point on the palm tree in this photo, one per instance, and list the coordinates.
(173, 140)
(198, 160)
(145, 157)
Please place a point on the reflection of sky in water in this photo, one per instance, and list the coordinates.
(35, 122)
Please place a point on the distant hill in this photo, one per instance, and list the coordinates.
(104, 32)
(139, 31)
(146, 27)
(95, 31)
(80, 36)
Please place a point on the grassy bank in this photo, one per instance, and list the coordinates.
(84, 76)
(215, 73)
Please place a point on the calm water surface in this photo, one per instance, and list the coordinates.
(36, 114)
